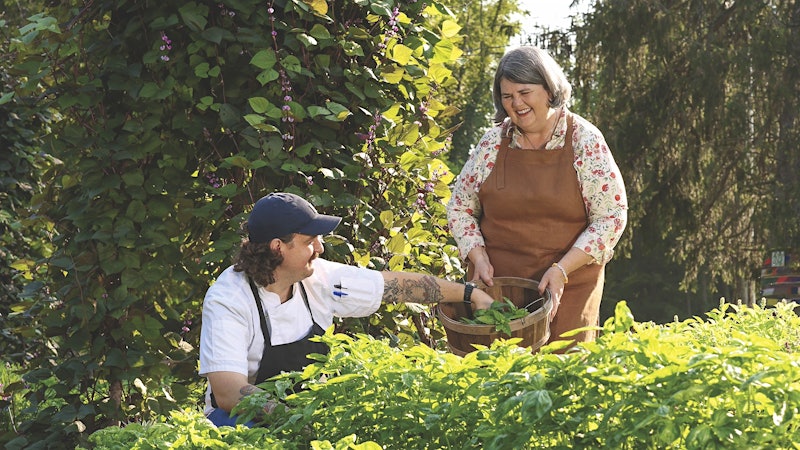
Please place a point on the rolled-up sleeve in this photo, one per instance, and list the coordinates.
(345, 290)
(225, 336)
(363, 289)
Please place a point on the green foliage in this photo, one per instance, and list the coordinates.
(12, 401)
(174, 118)
(189, 429)
(697, 103)
(649, 283)
(727, 381)
(24, 238)
(141, 133)
(778, 325)
(487, 27)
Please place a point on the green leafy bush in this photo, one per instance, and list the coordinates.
(12, 401)
(174, 117)
(698, 384)
(24, 237)
(189, 429)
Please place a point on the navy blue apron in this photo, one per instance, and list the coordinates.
(285, 357)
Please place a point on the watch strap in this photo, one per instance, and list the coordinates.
(468, 288)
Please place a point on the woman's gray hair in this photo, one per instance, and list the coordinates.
(530, 65)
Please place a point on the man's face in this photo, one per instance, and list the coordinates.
(298, 255)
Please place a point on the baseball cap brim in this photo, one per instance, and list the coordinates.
(320, 225)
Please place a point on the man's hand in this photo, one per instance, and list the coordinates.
(272, 405)
(481, 300)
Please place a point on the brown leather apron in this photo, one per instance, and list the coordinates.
(533, 212)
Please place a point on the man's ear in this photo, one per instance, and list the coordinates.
(275, 246)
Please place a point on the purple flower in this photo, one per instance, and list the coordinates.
(167, 46)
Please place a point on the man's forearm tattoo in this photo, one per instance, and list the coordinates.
(425, 290)
(391, 291)
(248, 389)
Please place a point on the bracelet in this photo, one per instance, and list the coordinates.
(563, 272)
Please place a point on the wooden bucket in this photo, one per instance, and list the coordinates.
(534, 329)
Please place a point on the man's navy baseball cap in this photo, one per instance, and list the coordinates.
(281, 213)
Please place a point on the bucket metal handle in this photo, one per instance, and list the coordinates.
(541, 299)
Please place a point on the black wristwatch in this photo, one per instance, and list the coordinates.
(468, 287)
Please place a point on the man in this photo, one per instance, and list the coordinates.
(280, 293)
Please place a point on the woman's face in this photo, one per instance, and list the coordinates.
(526, 104)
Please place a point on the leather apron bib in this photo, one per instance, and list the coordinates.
(533, 212)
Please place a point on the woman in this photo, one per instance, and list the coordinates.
(540, 197)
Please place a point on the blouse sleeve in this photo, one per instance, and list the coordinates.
(603, 192)
(464, 208)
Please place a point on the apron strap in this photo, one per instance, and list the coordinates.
(305, 299)
(263, 315)
(500, 162)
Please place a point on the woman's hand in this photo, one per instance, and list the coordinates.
(553, 279)
(483, 269)
(557, 275)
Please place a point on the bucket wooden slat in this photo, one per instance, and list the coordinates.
(533, 329)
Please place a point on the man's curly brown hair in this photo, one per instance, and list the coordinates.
(257, 260)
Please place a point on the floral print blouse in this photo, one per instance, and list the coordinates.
(598, 175)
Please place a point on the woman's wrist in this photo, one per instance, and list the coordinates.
(477, 254)
(562, 270)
